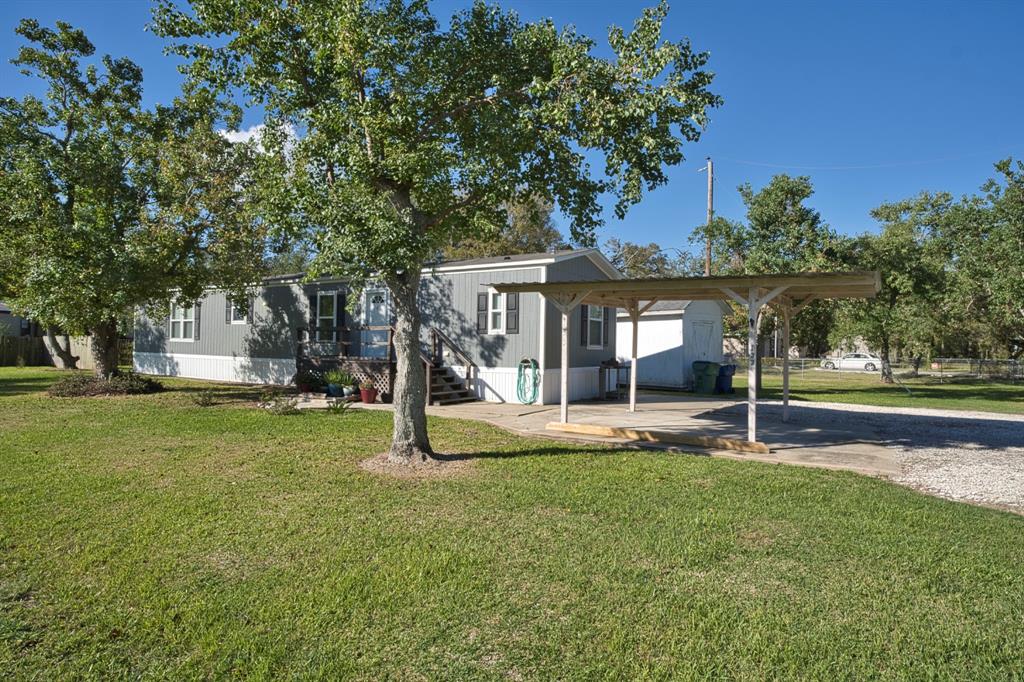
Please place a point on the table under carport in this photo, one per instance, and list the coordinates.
(786, 294)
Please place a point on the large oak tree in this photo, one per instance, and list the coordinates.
(109, 206)
(409, 131)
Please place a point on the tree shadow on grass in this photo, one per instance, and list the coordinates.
(25, 385)
(568, 450)
(222, 393)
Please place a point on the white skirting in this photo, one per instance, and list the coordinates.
(244, 370)
(499, 384)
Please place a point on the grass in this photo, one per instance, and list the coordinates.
(866, 389)
(148, 537)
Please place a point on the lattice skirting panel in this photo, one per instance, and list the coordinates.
(380, 372)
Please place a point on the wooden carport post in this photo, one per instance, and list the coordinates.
(635, 311)
(565, 305)
(753, 303)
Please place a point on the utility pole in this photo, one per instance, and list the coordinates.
(711, 213)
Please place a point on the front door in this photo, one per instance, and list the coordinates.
(375, 314)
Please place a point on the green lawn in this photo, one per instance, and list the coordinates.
(147, 537)
(867, 389)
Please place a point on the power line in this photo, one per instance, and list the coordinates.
(873, 166)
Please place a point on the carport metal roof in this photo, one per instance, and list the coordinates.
(788, 293)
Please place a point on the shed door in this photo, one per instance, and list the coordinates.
(702, 332)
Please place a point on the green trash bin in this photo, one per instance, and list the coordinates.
(704, 375)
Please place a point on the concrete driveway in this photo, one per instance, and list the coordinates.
(970, 456)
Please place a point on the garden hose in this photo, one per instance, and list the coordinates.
(527, 389)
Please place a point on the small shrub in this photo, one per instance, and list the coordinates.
(82, 385)
(309, 379)
(273, 400)
(339, 407)
(204, 398)
(339, 378)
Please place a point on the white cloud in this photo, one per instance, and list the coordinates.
(243, 135)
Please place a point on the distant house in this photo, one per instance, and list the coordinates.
(14, 325)
(672, 335)
(474, 339)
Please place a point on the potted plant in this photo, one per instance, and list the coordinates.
(367, 393)
(306, 381)
(336, 380)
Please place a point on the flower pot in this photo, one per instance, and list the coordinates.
(333, 390)
(305, 388)
(349, 391)
(368, 395)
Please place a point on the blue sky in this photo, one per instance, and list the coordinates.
(875, 101)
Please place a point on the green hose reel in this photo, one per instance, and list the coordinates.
(528, 381)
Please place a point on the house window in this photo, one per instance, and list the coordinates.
(325, 310)
(595, 327)
(183, 322)
(239, 315)
(496, 313)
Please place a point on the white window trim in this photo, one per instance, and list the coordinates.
(590, 318)
(182, 320)
(491, 329)
(245, 317)
(333, 316)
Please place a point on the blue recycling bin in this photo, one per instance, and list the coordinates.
(723, 382)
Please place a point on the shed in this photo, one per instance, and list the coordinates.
(672, 336)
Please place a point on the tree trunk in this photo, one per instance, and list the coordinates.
(409, 444)
(886, 366)
(62, 356)
(104, 348)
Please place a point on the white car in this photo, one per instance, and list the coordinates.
(860, 361)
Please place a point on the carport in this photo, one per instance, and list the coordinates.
(786, 294)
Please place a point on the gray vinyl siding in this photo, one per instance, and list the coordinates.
(575, 269)
(449, 302)
(278, 312)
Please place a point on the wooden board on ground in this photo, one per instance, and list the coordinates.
(667, 437)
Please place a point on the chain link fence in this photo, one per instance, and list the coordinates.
(942, 369)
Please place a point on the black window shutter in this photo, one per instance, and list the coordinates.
(511, 313)
(481, 313)
(604, 327)
(584, 324)
(339, 310)
(227, 309)
(312, 316)
(250, 316)
(196, 317)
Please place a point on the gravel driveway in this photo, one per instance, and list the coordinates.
(960, 455)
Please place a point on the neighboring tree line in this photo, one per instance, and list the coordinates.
(952, 270)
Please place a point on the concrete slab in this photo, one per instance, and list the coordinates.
(851, 447)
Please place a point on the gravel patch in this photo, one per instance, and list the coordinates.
(959, 455)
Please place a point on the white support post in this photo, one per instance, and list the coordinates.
(566, 305)
(785, 361)
(564, 374)
(634, 316)
(753, 312)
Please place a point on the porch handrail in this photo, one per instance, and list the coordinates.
(439, 339)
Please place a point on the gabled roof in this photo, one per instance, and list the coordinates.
(519, 260)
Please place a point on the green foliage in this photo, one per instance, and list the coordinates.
(339, 407)
(109, 206)
(529, 228)
(905, 314)
(650, 260)
(83, 385)
(339, 378)
(274, 400)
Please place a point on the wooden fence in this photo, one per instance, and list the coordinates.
(23, 350)
(32, 351)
